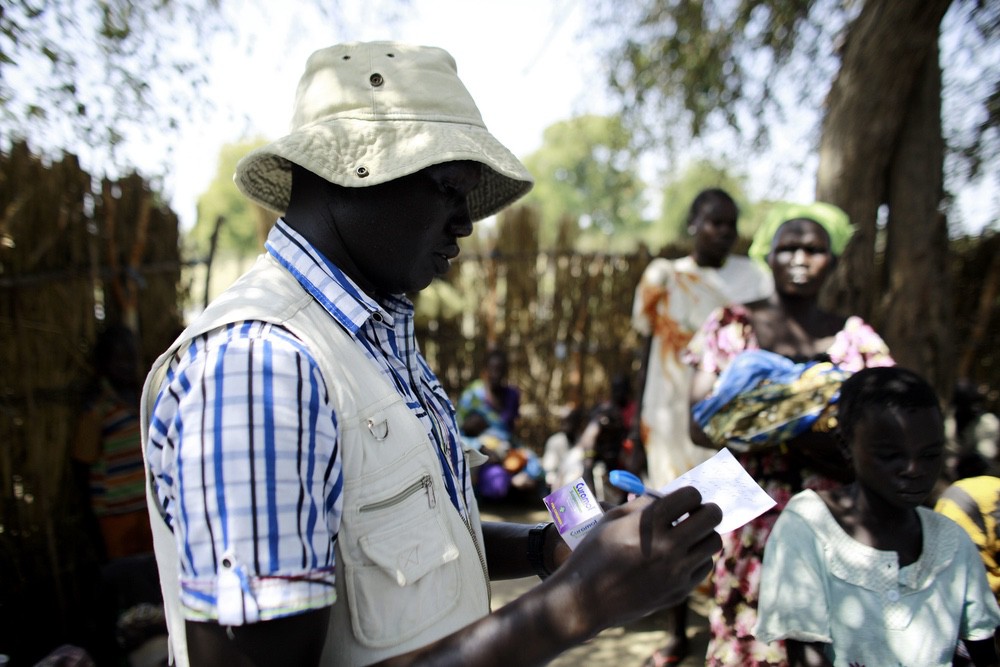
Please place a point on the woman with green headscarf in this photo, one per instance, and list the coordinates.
(766, 376)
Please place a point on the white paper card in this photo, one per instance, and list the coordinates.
(723, 481)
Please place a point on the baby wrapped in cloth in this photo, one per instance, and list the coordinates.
(763, 399)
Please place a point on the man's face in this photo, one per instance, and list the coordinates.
(898, 454)
(396, 237)
(714, 232)
(800, 258)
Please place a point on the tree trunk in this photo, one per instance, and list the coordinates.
(870, 127)
(915, 312)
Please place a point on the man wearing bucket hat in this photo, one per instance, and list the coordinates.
(309, 493)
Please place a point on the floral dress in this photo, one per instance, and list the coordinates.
(736, 578)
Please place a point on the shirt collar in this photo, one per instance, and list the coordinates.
(330, 286)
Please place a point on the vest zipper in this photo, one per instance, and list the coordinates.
(467, 519)
(482, 562)
(424, 483)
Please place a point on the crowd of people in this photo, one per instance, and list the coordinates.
(313, 491)
(851, 566)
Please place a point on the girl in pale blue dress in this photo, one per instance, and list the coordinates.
(864, 574)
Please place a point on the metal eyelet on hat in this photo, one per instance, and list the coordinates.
(362, 172)
(376, 79)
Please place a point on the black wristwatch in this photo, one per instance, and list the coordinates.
(536, 550)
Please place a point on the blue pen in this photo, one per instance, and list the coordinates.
(630, 483)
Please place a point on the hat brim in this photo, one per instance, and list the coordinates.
(359, 153)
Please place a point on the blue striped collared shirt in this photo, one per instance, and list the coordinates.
(244, 450)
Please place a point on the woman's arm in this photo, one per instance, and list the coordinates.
(806, 654)
(983, 652)
(635, 432)
(701, 386)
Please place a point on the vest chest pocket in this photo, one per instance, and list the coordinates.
(399, 559)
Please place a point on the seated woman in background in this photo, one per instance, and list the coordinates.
(487, 414)
(800, 244)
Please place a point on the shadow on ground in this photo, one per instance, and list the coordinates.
(615, 647)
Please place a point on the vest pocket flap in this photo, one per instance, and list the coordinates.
(407, 553)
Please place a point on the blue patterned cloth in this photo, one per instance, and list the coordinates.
(763, 399)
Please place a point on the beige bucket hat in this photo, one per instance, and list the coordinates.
(368, 113)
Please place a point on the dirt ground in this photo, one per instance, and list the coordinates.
(615, 647)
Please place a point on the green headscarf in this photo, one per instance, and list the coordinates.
(831, 218)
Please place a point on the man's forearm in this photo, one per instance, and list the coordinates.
(531, 630)
(507, 550)
(292, 640)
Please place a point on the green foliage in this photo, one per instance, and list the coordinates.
(745, 67)
(701, 63)
(586, 170)
(679, 193)
(238, 233)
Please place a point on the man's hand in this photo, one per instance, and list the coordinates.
(636, 561)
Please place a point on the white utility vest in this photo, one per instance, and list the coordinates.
(409, 569)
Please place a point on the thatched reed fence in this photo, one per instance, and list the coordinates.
(562, 316)
(75, 253)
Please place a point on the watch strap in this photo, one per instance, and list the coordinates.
(536, 550)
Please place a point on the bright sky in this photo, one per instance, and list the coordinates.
(527, 63)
